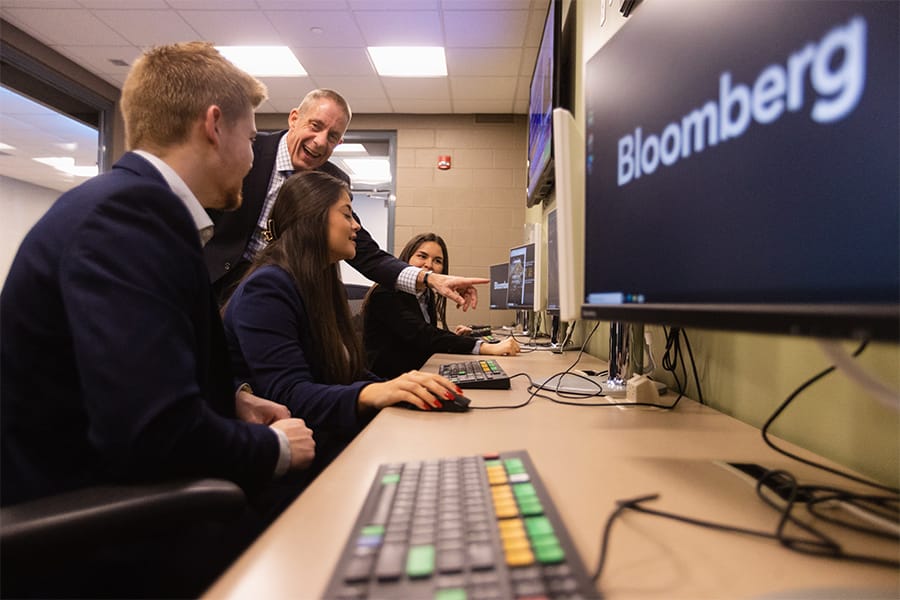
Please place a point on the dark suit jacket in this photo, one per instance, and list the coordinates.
(397, 337)
(112, 354)
(267, 325)
(235, 228)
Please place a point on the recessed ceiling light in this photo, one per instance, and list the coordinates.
(264, 61)
(409, 61)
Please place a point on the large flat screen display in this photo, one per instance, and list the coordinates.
(742, 167)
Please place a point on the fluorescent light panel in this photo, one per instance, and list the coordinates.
(409, 61)
(264, 61)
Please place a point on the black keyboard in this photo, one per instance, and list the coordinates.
(465, 528)
(476, 374)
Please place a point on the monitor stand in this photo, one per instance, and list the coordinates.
(523, 321)
(626, 349)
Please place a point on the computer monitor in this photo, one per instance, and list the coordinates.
(499, 284)
(742, 168)
(522, 265)
(552, 264)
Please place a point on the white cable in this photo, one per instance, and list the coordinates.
(648, 343)
(842, 360)
(878, 521)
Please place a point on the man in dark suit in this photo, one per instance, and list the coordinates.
(112, 351)
(315, 128)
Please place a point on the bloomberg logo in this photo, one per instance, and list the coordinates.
(777, 88)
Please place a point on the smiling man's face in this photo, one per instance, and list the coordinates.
(313, 134)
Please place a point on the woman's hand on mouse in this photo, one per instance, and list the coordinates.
(508, 347)
(424, 390)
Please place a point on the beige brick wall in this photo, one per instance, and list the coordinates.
(478, 206)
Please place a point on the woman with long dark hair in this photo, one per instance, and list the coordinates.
(288, 323)
(402, 331)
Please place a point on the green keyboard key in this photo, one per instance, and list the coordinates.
(390, 478)
(420, 561)
(524, 491)
(450, 594)
(549, 554)
(537, 526)
(373, 530)
(514, 465)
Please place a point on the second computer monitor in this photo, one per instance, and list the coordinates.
(499, 285)
(522, 265)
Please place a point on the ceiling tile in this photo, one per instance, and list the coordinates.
(495, 29)
(483, 61)
(368, 86)
(316, 29)
(371, 106)
(130, 4)
(64, 27)
(304, 4)
(148, 27)
(331, 61)
(406, 105)
(413, 88)
(393, 4)
(482, 88)
(219, 5)
(97, 58)
(482, 106)
(233, 28)
(492, 4)
(393, 28)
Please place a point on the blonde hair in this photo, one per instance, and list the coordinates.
(170, 87)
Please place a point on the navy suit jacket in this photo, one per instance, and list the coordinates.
(397, 337)
(112, 352)
(235, 228)
(267, 324)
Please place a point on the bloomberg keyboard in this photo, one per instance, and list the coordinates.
(465, 528)
(475, 374)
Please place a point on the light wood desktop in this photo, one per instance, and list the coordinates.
(588, 457)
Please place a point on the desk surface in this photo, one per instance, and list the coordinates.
(588, 457)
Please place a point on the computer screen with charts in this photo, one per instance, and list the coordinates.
(520, 294)
(742, 168)
(499, 284)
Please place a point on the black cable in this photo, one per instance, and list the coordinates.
(671, 356)
(787, 402)
(819, 545)
(520, 405)
(687, 343)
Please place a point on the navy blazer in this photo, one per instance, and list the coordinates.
(267, 325)
(235, 228)
(399, 339)
(112, 352)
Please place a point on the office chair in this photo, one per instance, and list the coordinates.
(58, 544)
(356, 295)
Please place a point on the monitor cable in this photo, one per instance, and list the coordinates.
(765, 431)
(815, 543)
